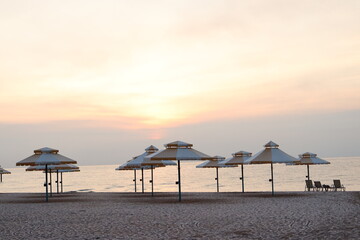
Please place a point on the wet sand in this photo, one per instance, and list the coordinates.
(290, 215)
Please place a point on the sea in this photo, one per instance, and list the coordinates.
(104, 178)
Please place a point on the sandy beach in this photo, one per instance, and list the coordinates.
(290, 215)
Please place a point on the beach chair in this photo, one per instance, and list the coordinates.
(318, 186)
(309, 185)
(337, 185)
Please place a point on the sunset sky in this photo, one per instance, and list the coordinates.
(102, 80)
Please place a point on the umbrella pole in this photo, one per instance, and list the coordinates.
(142, 180)
(308, 174)
(135, 178)
(57, 181)
(217, 179)
(0, 177)
(179, 181)
(61, 181)
(272, 179)
(152, 181)
(50, 184)
(242, 177)
(308, 170)
(46, 183)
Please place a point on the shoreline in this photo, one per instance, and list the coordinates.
(204, 215)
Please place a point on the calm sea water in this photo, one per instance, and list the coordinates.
(104, 178)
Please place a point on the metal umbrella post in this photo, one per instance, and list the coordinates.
(135, 179)
(217, 179)
(242, 177)
(61, 181)
(142, 179)
(46, 183)
(152, 181)
(272, 179)
(50, 184)
(179, 181)
(57, 181)
(308, 171)
(308, 174)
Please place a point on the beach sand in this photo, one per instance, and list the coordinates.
(290, 215)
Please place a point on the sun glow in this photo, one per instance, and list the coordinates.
(202, 67)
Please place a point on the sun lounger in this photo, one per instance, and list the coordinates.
(318, 186)
(326, 187)
(309, 185)
(337, 185)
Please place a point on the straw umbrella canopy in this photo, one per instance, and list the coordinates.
(46, 156)
(270, 155)
(124, 167)
(238, 158)
(68, 170)
(308, 159)
(214, 164)
(140, 161)
(179, 151)
(3, 171)
(51, 169)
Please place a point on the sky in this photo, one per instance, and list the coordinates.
(102, 80)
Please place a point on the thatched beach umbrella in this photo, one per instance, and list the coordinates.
(45, 156)
(3, 171)
(308, 159)
(125, 167)
(237, 159)
(53, 169)
(137, 161)
(270, 155)
(179, 151)
(214, 164)
(140, 162)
